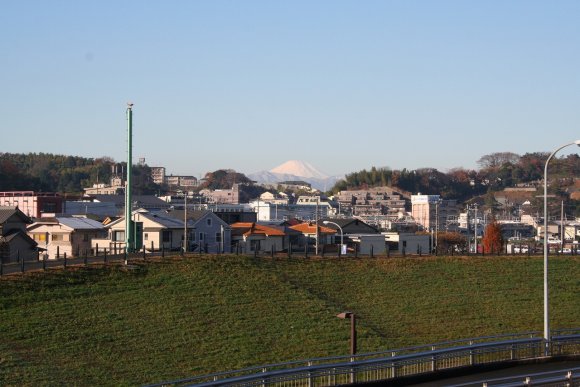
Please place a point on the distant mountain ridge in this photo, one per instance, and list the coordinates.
(294, 170)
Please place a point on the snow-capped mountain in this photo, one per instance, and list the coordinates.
(295, 170)
(298, 168)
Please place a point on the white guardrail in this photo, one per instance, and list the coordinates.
(390, 365)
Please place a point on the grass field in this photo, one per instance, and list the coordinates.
(183, 317)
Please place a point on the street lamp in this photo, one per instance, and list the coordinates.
(341, 233)
(351, 315)
(546, 312)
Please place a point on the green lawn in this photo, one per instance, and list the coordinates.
(184, 317)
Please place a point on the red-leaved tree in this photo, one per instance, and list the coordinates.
(492, 238)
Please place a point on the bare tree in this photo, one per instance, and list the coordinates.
(497, 159)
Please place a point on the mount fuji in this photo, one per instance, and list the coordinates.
(295, 170)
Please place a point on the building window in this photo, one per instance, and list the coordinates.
(218, 237)
(85, 237)
(57, 237)
(209, 222)
(146, 236)
(49, 207)
(119, 236)
(200, 236)
(166, 236)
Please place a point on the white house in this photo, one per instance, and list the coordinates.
(65, 235)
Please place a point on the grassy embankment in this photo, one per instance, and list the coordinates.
(178, 318)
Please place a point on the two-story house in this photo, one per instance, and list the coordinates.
(15, 243)
(65, 235)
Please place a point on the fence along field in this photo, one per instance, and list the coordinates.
(178, 316)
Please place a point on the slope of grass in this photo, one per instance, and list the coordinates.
(178, 318)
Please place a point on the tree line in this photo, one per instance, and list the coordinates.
(45, 172)
(498, 171)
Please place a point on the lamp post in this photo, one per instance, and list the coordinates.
(351, 315)
(341, 233)
(546, 309)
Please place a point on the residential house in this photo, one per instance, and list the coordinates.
(407, 243)
(349, 225)
(157, 230)
(206, 231)
(65, 235)
(310, 232)
(252, 237)
(153, 230)
(15, 243)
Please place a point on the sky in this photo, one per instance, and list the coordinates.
(248, 85)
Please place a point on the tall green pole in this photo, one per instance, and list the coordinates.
(128, 194)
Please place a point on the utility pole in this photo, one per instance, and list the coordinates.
(475, 226)
(128, 193)
(185, 223)
(468, 238)
(437, 224)
(316, 225)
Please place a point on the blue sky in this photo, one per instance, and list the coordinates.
(248, 85)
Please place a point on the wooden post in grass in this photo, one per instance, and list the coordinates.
(21, 261)
(57, 252)
(105, 259)
(65, 259)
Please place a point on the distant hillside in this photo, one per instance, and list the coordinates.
(224, 179)
(497, 173)
(60, 173)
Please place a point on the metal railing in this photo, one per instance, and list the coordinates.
(558, 378)
(371, 367)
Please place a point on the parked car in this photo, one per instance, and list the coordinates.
(565, 250)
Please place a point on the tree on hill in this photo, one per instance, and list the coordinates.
(496, 160)
(492, 238)
(224, 179)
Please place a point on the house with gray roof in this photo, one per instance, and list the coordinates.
(65, 235)
(156, 230)
(15, 243)
(206, 231)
